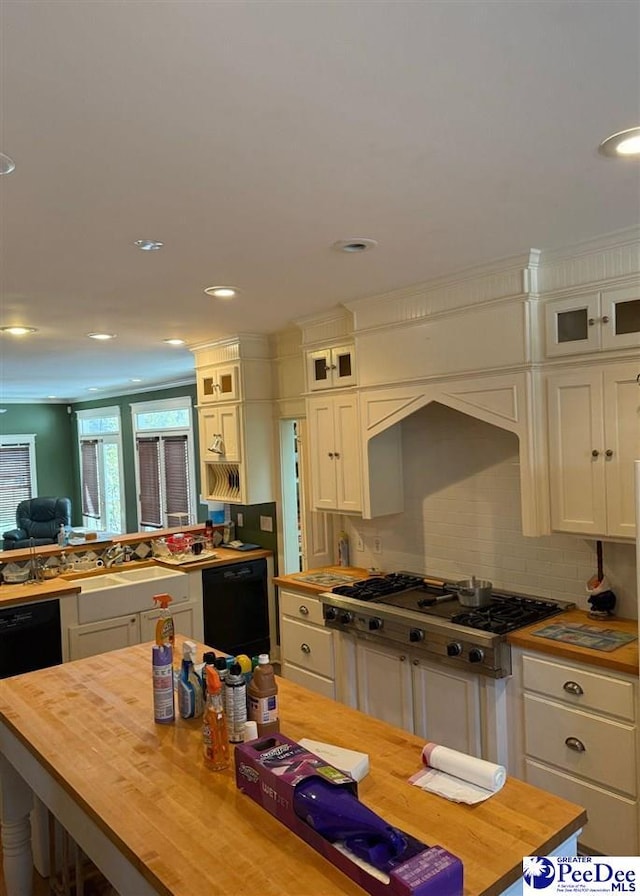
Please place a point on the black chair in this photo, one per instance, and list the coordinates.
(38, 519)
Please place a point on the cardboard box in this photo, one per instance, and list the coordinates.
(270, 769)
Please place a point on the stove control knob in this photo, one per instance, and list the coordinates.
(375, 624)
(454, 649)
(476, 655)
(416, 634)
(346, 617)
(330, 614)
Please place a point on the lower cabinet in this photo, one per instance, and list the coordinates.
(580, 742)
(306, 646)
(436, 702)
(93, 638)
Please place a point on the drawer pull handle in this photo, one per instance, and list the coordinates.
(304, 611)
(305, 648)
(574, 744)
(572, 687)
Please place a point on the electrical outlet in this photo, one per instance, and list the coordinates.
(359, 542)
(240, 519)
(266, 524)
(377, 545)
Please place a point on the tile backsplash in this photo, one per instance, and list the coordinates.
(462, 518)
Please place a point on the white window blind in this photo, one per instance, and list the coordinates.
(91, 498)
(17, 476)
(163, 465)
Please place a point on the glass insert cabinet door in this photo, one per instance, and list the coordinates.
(329, 368)
(593, 322)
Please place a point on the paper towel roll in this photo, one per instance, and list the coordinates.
(468, 768)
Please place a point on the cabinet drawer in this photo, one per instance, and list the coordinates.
(301, 606)
(612, 828)
(307, 646)
(609, 754)
(598, 692)
(310, 680)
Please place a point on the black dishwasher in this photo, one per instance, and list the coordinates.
(236, 608)
(29, 637)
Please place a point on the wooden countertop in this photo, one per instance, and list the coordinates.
(27, 593)
(90, 723)
(623, 659)
(225, 558)
(297, 580)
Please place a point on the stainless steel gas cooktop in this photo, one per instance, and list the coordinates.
(425, 615)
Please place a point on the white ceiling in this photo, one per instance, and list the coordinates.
(249, 136)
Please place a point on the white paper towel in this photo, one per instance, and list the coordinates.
(458, 776)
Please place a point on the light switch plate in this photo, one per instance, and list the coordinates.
(266, 524)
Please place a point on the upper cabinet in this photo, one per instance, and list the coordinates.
(595, 321)
(594, 438)
(329, 368)
(334, 439)
(235, 419)
(218, 383)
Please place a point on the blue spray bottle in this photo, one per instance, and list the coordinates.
(190, 699)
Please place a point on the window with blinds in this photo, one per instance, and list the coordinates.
(17, 476)
(91, 484)
(164, 480)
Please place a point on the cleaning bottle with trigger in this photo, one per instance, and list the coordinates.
(165, 629)
(215, 737)
(190, 702)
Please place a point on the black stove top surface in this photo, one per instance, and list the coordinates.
(505, 613)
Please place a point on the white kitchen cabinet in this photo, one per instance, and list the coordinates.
(594, 437)
(218, 382)
(334, 440)
(581, 742)
(306, 646)
(93, 638)
(220, 433)
(235, 418)
(438, 703)
(595, 321)
(328, 368)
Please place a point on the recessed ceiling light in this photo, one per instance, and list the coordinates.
(149, 245)
(52, 396)
(18, 331)
(174, 341)
(623, 145)
(354, 245)
(7, 165)
(93, 389)
(221, 292)
(135, 380)
(101, 336)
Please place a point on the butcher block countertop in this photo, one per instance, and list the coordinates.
(622, 659)
(26, 593)
(189, 831)
(304, 581)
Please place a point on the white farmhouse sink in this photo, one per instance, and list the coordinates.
(127, 591)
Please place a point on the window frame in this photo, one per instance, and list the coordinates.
(103, 438)
(184, 403)
(28, 439)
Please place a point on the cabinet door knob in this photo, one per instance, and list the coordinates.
(574, 744)
(416, 662)
(337, 454)
(595, 453)
(402, 657)
(572, 687)
(331, 454)
(605, 319)
(305, 648)
(304, 611)
(609, 452)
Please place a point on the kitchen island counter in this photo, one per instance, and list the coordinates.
(136, 796)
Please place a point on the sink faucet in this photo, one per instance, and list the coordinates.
(114, 554)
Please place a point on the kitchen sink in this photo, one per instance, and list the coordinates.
(111, 594)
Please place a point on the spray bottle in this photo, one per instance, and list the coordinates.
(190, 702)
(215, 737)
(165, 630)
(235, 703)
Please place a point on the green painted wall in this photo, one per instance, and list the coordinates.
(55, 447)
